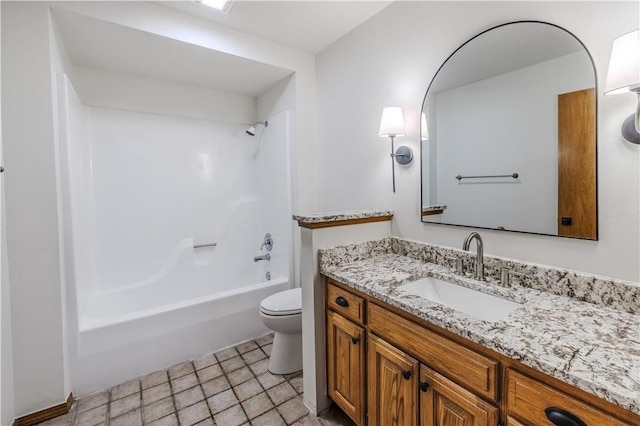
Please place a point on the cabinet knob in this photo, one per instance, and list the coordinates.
(406, 374)
(424, 386)
(342, 301)
(355, 340)
(559, 417)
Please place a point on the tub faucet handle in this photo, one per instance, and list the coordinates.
(268, 242)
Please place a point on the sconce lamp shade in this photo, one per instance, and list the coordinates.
(392, 122)
(624, 66)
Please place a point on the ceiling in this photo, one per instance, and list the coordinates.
(307, 25)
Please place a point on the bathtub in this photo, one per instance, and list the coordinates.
(118, 341)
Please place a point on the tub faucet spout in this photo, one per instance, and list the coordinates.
(263, 257)
(479, 266)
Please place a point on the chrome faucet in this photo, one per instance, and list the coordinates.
(479, 265)
(263, 257)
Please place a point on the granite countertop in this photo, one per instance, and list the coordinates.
(340, 216)
(595, 348)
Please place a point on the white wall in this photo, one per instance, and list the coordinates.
(390, 60)
(6, 340)
(7, 404)
(469, 133)
(32, 211)
(157, 180)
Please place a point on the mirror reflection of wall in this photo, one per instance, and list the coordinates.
(496, 108)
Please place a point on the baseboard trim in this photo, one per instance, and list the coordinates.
(46, 414)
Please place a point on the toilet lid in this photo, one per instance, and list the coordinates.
(286, 302)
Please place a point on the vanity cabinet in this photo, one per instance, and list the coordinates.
(389, 368)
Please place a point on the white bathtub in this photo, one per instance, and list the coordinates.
(118, 344)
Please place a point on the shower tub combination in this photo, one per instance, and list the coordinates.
(162, 218)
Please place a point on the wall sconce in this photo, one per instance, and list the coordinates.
(624, 76)
(392, 125)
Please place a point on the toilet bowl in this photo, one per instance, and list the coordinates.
(282, 313)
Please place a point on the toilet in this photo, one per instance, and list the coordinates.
(282, 313)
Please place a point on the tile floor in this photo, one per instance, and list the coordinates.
(231, 387)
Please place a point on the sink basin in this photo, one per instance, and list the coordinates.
(472, 302)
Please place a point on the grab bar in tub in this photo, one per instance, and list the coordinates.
(195, 246)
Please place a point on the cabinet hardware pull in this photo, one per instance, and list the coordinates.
(424, 386)
(559, 417)
(342, 301)
(406, 374)
(355, 340)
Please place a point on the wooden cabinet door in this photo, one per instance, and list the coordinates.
(577, 194)
(346, 361)
(392, 387)
(443, 403)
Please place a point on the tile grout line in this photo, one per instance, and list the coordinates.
(264, 390)
(233, 386)
(141, 403)
(173, 399)
(275, 406)
(206, 402)
(109, 400)
(253, 376)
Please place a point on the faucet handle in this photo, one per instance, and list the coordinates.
(458, 264)
(506, 274)
(268, 242)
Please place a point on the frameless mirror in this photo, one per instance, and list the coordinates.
(509, 134)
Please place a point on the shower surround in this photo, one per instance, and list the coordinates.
(139, 193)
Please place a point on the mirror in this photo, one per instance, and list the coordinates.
(509, 134)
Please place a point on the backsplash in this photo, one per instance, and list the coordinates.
(603, 291)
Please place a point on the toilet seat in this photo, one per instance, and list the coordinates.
(288, 302)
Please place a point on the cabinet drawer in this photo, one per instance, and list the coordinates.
(346, 304)
(527, 400)
(464, 366)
